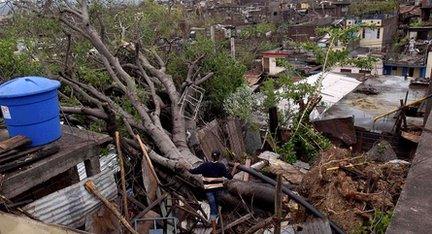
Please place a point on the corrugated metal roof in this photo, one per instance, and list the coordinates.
(334, 87)
(69, 206)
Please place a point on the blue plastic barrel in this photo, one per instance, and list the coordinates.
(30, 108)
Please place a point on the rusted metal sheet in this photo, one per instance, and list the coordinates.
(13, 224)
(235, 137)
(71, 205)
(340, 128)
(210, 138)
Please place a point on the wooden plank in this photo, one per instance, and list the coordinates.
(19, 182)
(13, 143)
(91, 188)
(75, 146)
(210, 139)
(42, 153)
(13, 155)
(235, 137)
(122, 176)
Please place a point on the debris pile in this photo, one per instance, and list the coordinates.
(350, 188)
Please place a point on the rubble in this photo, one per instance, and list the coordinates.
(350, 188)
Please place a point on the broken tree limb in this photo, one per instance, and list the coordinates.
(91, 188)
(297, 198)
(122, 175)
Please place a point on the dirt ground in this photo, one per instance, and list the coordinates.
(349, 188)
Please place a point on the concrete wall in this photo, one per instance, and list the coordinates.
(401, 71)
(413, 211)
(377, 69)
(429, 65)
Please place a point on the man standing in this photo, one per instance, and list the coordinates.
(213, 174)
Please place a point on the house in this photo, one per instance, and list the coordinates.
(414, 61)
(377, 67)
(377, 30)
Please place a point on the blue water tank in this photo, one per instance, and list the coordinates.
(30, 108)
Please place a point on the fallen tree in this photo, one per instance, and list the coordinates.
(144, 70)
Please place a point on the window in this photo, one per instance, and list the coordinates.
(378, 33)
(394, 68)
(364, 33)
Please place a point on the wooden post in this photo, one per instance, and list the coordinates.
(278, 205)
(122, 175)
(92, 164)
(91, 188)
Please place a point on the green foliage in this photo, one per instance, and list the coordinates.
(416, 23)
(96, 77)
(365, 63)
(360, 8)
(271, 97)
(16, 64)
(378, 224)
(240, 103)
(147, 21)
(228, 73)
(329, 55)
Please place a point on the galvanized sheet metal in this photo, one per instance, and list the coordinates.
(71, 205)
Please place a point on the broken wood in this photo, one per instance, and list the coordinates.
(263, 224)
(278, 205)
(13, 143)
(91, 188)
(277, 166)
(15, 154)
(294, 196)
(149, 176)
(151, 206)
(7, 202)
(42, 153)
(122, 175)
(237, 222)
